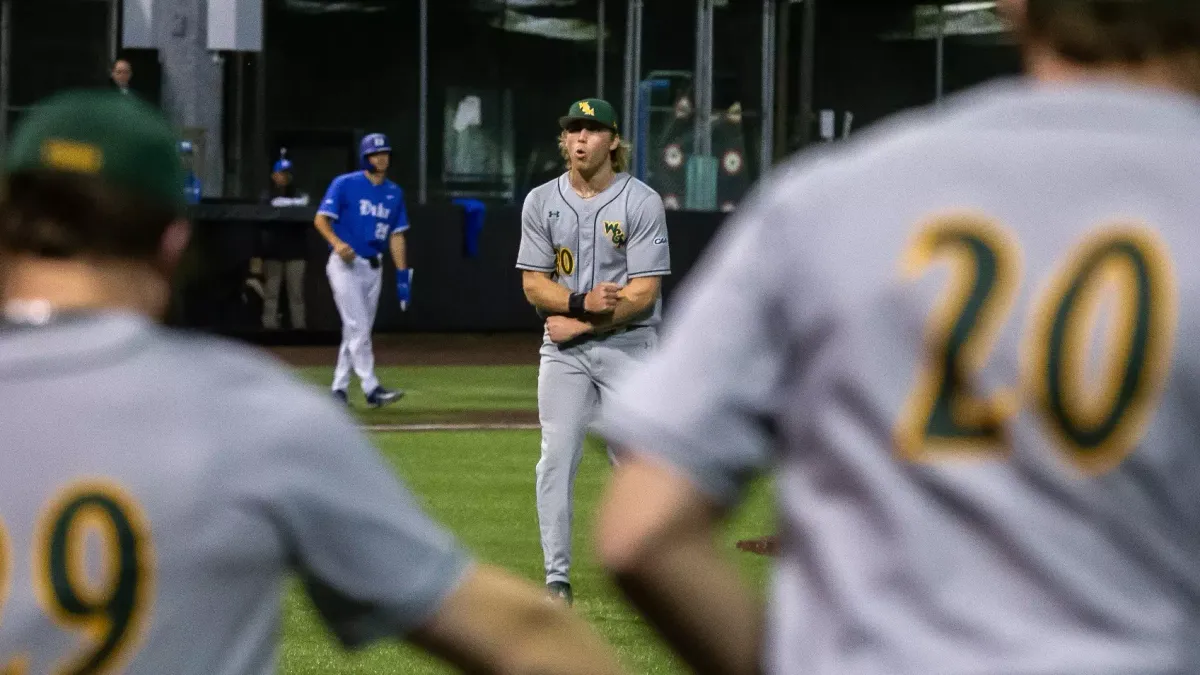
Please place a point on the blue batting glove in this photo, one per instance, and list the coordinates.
(404, 288)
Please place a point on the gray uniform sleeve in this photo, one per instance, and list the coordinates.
(704, 401)
(536, 253)
(374, 564)
(648, 251)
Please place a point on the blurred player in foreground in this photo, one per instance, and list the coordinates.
(964, 344)
(150, 518)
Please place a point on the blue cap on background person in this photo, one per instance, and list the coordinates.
(283, 164)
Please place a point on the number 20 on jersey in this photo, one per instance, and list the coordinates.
(1096, 421)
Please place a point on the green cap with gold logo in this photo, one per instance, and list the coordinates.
(105, 133)
(593, 110)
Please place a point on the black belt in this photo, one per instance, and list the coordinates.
(375, 262)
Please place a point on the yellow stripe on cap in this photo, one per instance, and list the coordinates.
(72, 156)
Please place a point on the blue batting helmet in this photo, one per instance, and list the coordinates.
(372, 144)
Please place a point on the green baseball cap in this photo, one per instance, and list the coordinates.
(106, 133)
(593, 110)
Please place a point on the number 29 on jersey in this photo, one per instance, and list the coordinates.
(111, 611)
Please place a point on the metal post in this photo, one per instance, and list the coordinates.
(807, 60)
(423, 112)
(5, 67)
(702, 146)
(260, 157)
(631, 78)
(698, 82)
(638, 33)
(940, 64)
(600, 30)
(782, 86)
(645, 96)
(239, 122)
(767, 117)
(114, 29)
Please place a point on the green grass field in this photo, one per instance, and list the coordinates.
(480, 484)
(436, 393)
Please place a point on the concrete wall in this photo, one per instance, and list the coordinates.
(192, 85)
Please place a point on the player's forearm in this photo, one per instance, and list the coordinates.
(656, 535)
(496, 623)
(553, 640)
(545, 294)
(325, 227)
(698, 603)
(399, 248)
(634, 301)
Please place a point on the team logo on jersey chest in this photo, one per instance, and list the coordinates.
(368, 208)
(612, 230)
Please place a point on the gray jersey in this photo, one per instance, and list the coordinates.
(964, 343)
(618, 235)
(159, 488)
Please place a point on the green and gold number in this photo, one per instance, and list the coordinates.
(564, 262)
(110, 610)
(1099, 420)
(943, 413)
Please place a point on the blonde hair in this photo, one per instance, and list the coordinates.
(620, 156)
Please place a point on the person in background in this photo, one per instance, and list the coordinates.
(121, 75)
(283, 247)
(191, 185)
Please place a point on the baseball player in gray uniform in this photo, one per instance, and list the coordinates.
(964, 343)
(593, 252)
(150, 518)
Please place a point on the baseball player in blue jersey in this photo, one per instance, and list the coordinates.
(362, 213)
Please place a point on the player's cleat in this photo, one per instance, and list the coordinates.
(381, 397)
(560, 591)
(340, 396)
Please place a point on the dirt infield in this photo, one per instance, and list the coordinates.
(431, 350)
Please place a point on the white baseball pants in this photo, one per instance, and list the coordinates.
(356, 287)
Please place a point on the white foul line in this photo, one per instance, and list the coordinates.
(450, 427)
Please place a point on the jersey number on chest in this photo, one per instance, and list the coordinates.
(109, 611)
(1097, 420)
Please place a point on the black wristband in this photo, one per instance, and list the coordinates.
(575, 305)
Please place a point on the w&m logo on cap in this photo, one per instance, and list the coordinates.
(72, 156)
(592, 110)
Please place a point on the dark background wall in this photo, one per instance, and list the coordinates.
(451, 290)
(329, 77)
(332, 75)
(337, 75)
